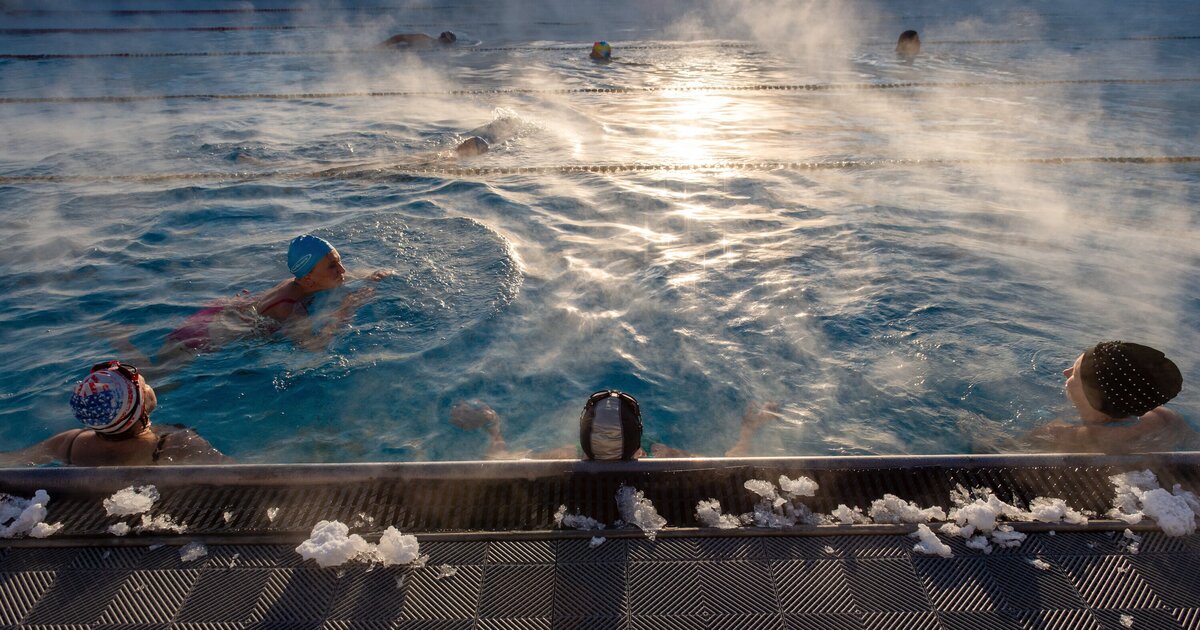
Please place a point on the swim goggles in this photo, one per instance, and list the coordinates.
(124, 369)
(605, 393)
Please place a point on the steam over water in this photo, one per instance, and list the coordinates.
(903, 308)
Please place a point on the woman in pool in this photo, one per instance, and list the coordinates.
(114, 404)
(315, 266)
(1119, 388)
(610, 429)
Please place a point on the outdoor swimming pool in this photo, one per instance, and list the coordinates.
(907, 307)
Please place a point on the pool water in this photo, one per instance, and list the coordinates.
(906, 308)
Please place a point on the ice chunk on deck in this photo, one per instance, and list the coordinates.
(192, 551)
(1172, 513)
(118, 529)
(762, 488)
(892, 509)
(396, 548)
(801, 487)
(929, 543)
(42, 530)
(272, 513)
(576, 520)
(847, 516)
(331, 544)
(445, 571)
(131, 500)
(160, 523)
(1050, 510)
(709, 514)
(18, 516)
(596, 541)
(637, 510)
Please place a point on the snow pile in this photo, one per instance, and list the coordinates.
(892, 509)
(848, 516)
(131, 500)
(396, 548)
(929, 542)
(192, 551)
(978, 515)
(160, 523)
(20, 517)
(331, 544)
(709, 514)
(780, 509)
(576, 520)
(637, 510)
(1049, 510)
(1139, 495)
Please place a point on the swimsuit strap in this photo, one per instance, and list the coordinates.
(162, 439)
(71, 445)
(272, 305)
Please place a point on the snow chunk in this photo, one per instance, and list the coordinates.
(892, 509)
(576, 520)
(18, 516)
(979, 543)
(331, 544)
(1049, 510)
(396, 548)
(762, 488)
(709, 514)
(1004, 536)
(118, 529)
(272, 512)
(1041, 564)
(801, 487)
(929, 543)
(160, 523)
(228, 516)
(445, 571)
(596, 541)
(848, 516)
(637, 510)
(192, 551)
(131, 500)
(1127, 621)
(1172, 513)
(42, 530)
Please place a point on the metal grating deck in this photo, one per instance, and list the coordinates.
(491, 522)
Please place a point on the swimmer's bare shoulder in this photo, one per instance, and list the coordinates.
(188, 447)
(281, 302)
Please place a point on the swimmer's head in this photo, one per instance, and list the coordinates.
(1121, 379)
(610, 427)
(447, 37)
(305, 252)
(114, 400)
(909, 44)
(601, 50)
(472, 146)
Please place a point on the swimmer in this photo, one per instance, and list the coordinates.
(315, 265)
(472, 147)
(601, 52)
(908, 45)
(414, 41)
(1118, 389)
(114, 404)
(610, 429)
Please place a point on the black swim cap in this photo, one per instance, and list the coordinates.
(1127, 379)
(610, 427)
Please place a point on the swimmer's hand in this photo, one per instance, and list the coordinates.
(758, 415)
(355, 299)
(380, 274)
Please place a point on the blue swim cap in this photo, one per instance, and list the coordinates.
(305, 252)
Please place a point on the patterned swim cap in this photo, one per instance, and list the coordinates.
(601, 50)
(305, 252)
(108, 401)
(1127, 379)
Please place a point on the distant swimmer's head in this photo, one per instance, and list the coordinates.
(909, 44)
(447, 37)
(472, 146)
(601, 51)
(610, 427)
(1120, 379)
(114, 400)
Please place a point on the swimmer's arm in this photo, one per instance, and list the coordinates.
(188, 447)
(299, 331)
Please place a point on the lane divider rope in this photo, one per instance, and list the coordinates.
(385, 173)
(803, 87)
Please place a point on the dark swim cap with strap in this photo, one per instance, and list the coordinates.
(610, 427)
(1127, 379)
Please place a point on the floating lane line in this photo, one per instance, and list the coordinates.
(805, 87)
(385, 173)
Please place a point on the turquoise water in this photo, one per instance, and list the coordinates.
(911, 308)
